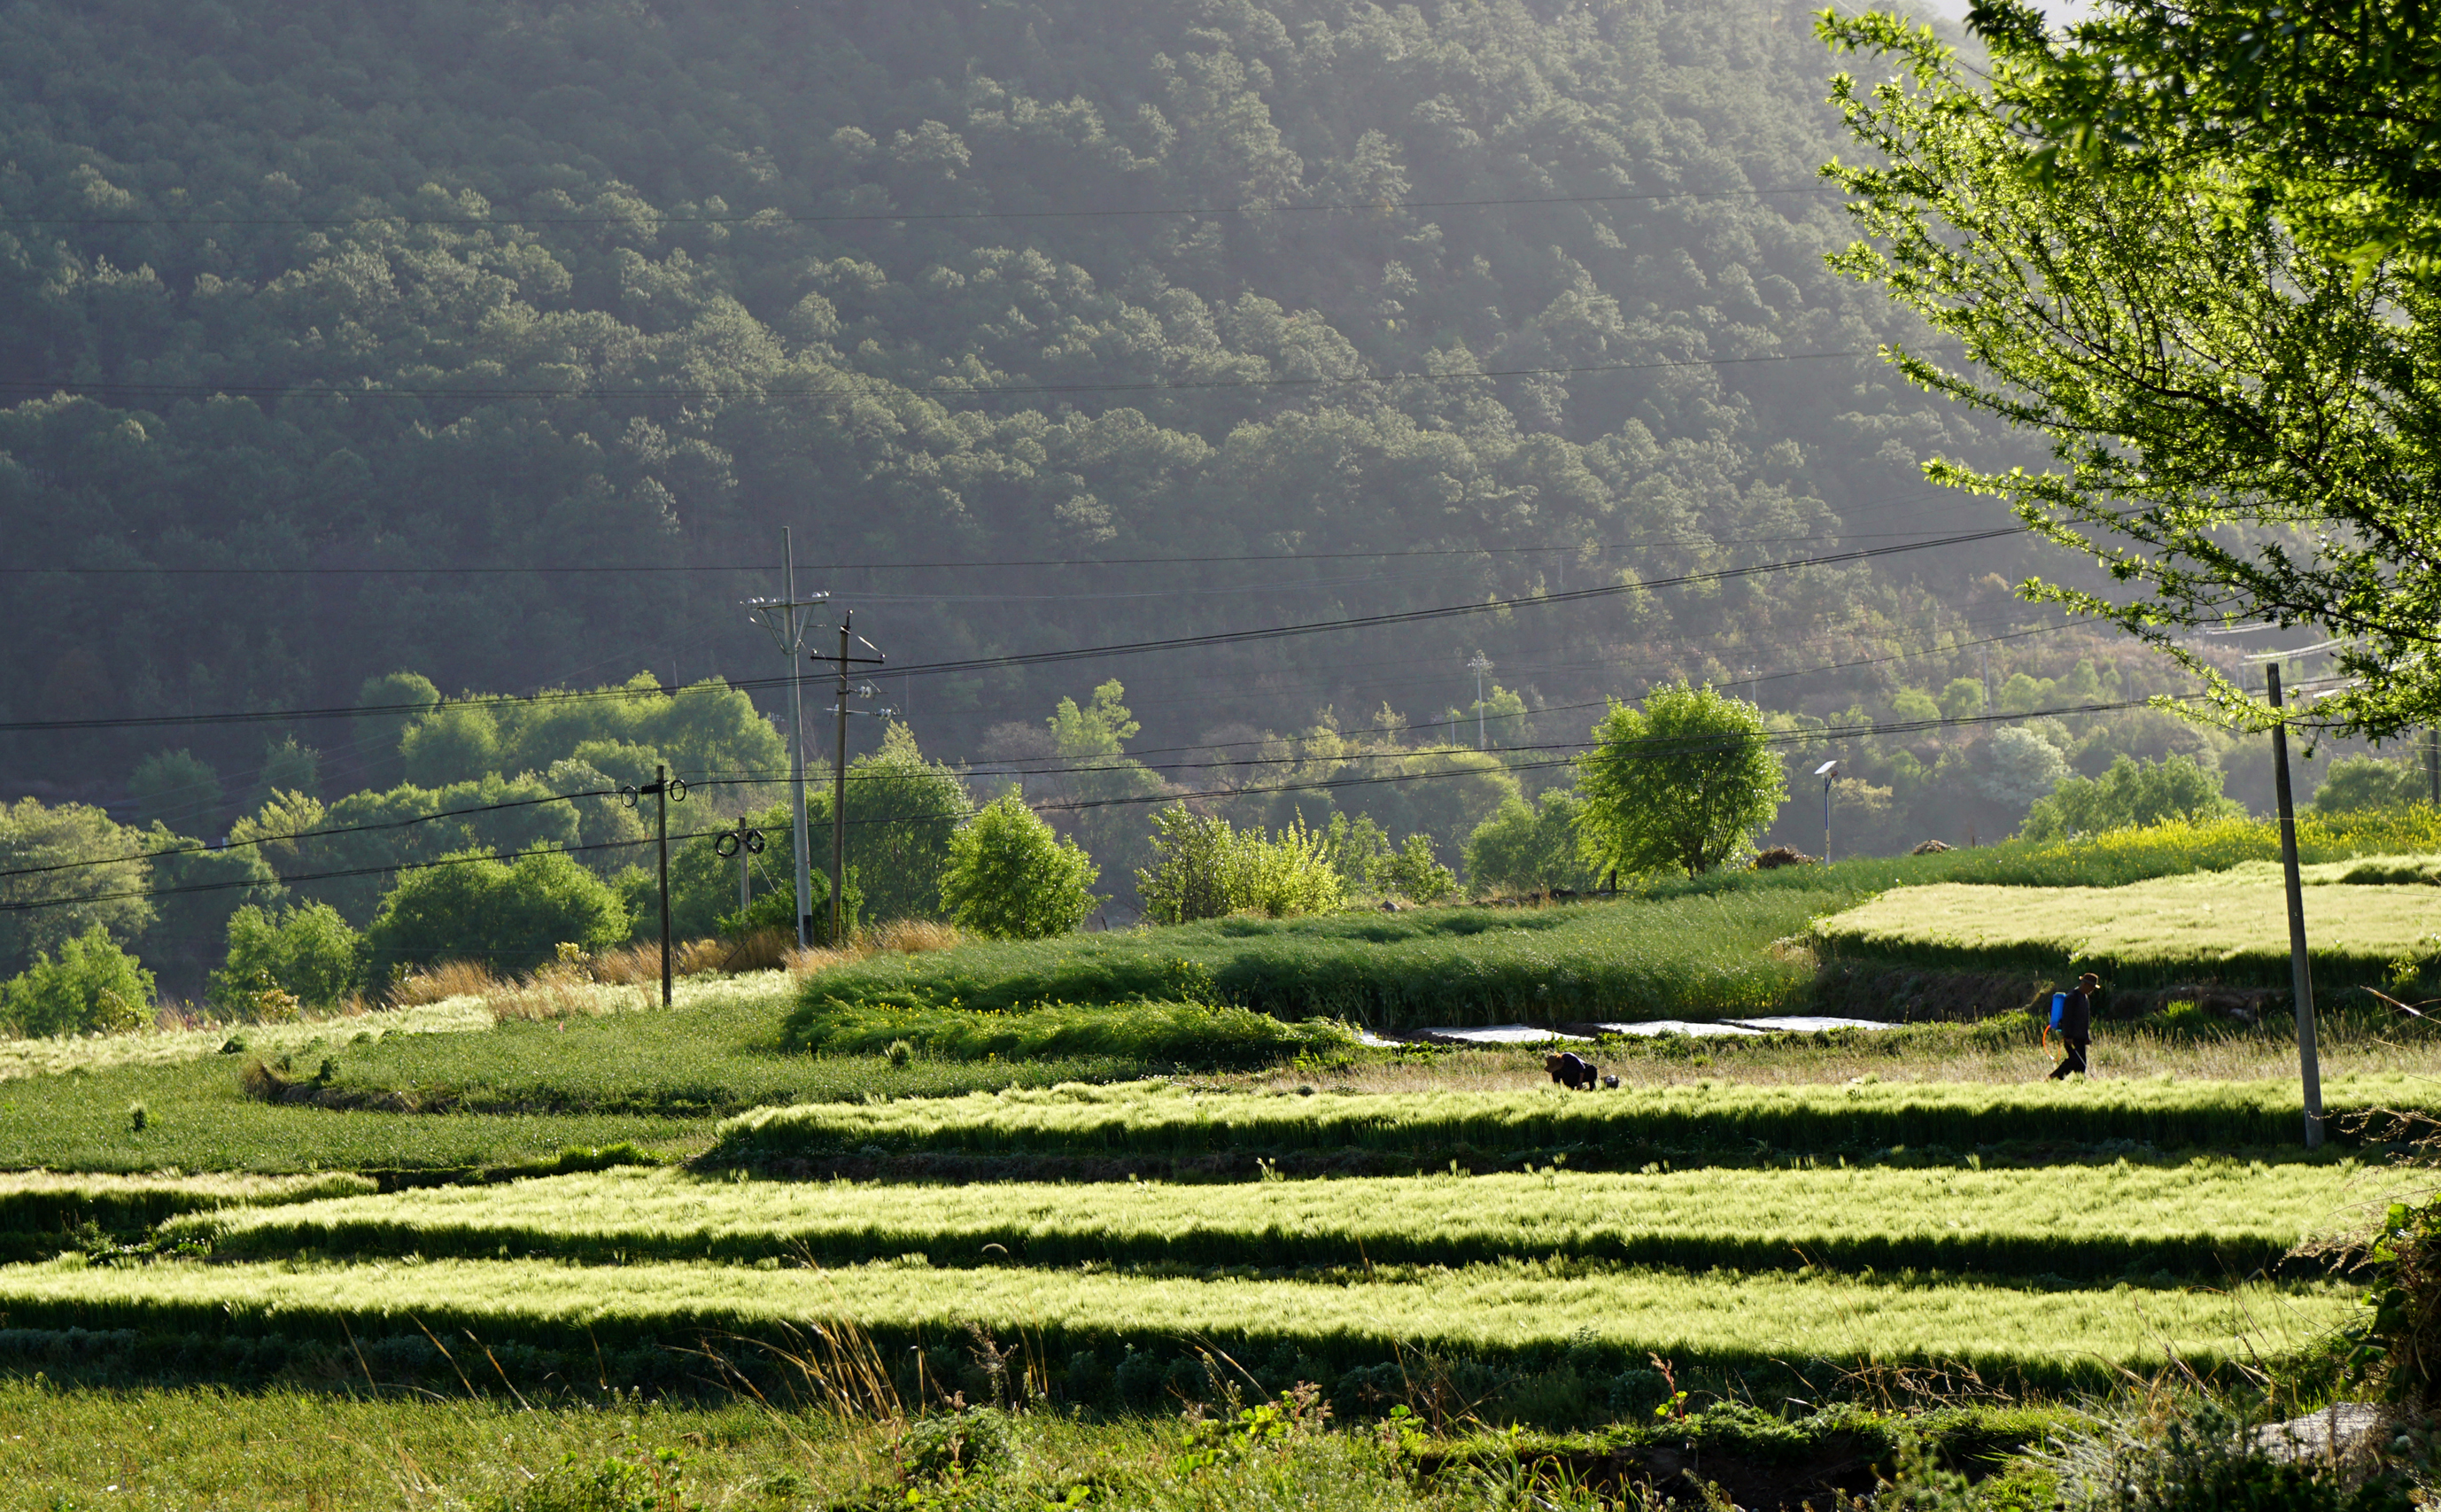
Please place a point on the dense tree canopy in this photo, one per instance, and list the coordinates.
(361, 291)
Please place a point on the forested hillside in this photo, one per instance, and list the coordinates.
(338, 287)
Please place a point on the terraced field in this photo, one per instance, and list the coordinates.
(1164, 1121)
(2194, 1217)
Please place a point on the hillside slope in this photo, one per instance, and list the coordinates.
(323, 285)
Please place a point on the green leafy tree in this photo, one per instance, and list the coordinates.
(93, 987)
(1416, 874)
(1358, 847)
(902, 812)
(94, 865)
(1189, 877)
(2243, 425)
(456, 743)
(308, 952)
(1011, 878)
(2329, 108)
(2371, 781)
(1528, 847)
(510, 916)
(176, 787)
(397, 701)
(2129, 794)
(1681, 784)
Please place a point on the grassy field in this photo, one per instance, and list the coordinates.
(1789, 1228)
(1158, 1120)
(2204, 1219)
(1695, 957)
(1518, 1313)
(2230, 926)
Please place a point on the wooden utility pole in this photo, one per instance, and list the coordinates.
(2300, 976)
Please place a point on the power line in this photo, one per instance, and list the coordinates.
(1133, 760)
(1421, 616)
(316, 835)
(771, 217)
(1045, 657)
(1769, 738)
(846, 383)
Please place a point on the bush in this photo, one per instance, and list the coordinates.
(1205, 869)
(2130, 794)
(1284, 875)
(1011, 878)
(1416, 874)
(1189, 877)
(2369, 781)
(1528, 848)
(510, 917)
(93, 986)
(307, 952)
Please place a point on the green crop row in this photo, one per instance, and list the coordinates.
(2207, 1217)
(1699, 957)
(1179, 1034)
(2229, 926)
(1161, 1120)
(42, 1211)
(1761, 1325)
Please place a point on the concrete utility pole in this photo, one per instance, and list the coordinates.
(1480, 665)
(839, 765)
(787, 628)
(2301, 974)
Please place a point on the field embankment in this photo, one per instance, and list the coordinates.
(2364, 920)
(2199, 1218)
(1617, 1128)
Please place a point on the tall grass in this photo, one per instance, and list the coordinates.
(1153, 1119)
(1698, 957)
(1172, 1033)
(1759, 1325)
(2206, 1219)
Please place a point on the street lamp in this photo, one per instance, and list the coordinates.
(1829, 772)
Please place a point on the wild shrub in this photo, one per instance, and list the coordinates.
(307, 952)
(1528, 847)
(93, 987)
(1415, 874)
(512, 917)
(1205, 869)
(2130, 794)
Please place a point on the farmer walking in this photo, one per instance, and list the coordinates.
(2076, 1026)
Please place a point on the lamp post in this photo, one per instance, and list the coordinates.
(1829, 772)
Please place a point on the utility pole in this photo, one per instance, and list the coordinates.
(1480, 665)
(845, 659)
(2432, 763)
(664, 791)
(744, 843)
(787, 627)
(2301, 975)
